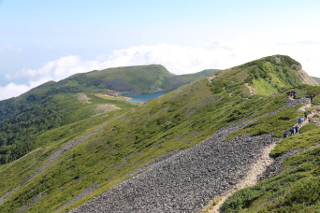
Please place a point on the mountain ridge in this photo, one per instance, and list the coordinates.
(169, 126)
(55, 104)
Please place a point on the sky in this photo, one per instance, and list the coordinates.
(51, 40)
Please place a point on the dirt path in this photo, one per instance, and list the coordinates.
(304, 107)
(251, 178)
(256, 170)
(251, 89)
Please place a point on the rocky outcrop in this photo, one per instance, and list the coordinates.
(306, 79)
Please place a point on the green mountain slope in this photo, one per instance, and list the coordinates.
(128, 141)
(23, 118)
(266, 76)
(55, 104)
(133, 79)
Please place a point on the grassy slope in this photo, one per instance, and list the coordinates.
(267, 75)
(133, 79)
(29, 118)
(53, 105)
(176, 120)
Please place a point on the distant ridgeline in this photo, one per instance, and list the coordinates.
(54, 104)
(316, 78)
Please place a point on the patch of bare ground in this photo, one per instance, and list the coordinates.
(83, 98)
(212, 76)
(251, 89)
(102, 108)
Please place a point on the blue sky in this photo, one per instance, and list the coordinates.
(50, 40)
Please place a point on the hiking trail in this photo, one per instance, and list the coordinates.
(251, 89)
(187, 180)
(257, 169)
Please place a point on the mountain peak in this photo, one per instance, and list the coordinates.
(268, 75)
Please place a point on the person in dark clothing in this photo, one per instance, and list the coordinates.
(294, 95)
(312, 97)
(305, 114)
(292, 131)
(296, 129)
(286, 134)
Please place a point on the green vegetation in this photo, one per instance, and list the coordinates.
(308, 138)
(28, 118)
(135, 136)
(268, 75)
(278, 124)
(133, 79)
(53, 105)
(307, 90)
(134, 139)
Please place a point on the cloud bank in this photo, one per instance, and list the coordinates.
(178, 59)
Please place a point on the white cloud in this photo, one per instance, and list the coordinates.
(177, 59)
(13, 90)
(57, 70)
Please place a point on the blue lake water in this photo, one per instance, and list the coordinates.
(144, 97)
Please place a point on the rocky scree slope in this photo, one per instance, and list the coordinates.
(186, 181)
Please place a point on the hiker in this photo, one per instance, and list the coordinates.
(296, 129)
(312, 97)
(286, 134)
(292, 131)
(300, 120)
(293, 92)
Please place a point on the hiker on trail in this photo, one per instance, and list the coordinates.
(286, 134)
(293, 92)
(296, 129)
(312, 97)
(292, 131)
(300, 120)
